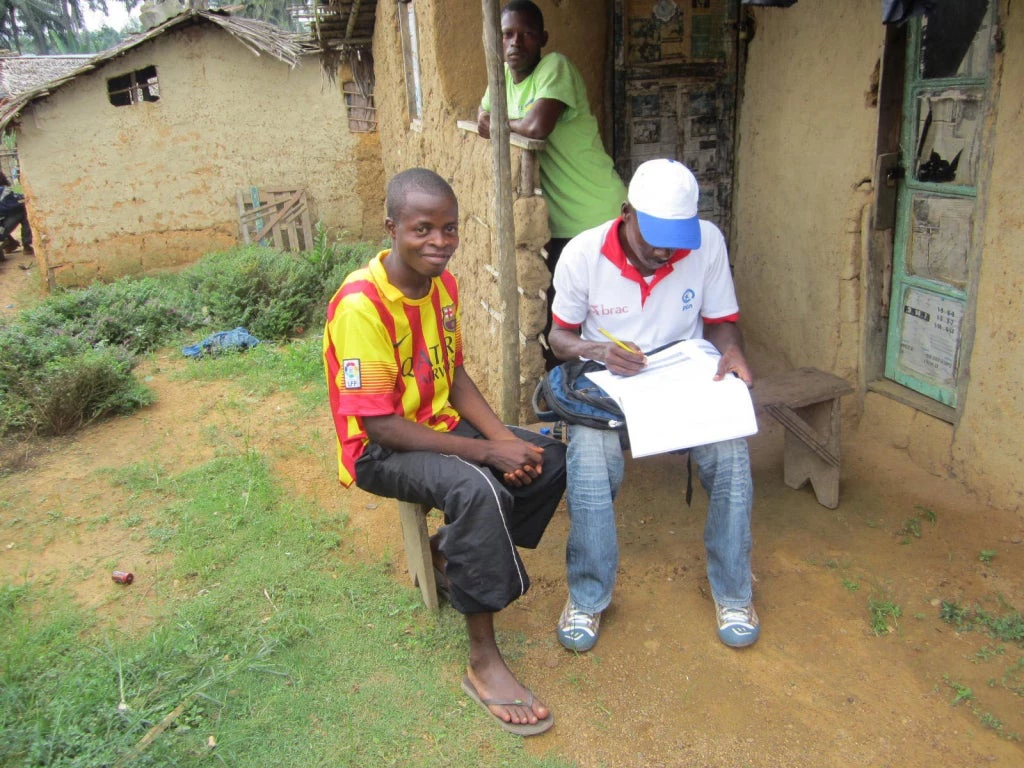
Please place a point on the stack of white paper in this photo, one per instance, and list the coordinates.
(675, 402)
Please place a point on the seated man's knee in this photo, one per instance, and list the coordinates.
(725, 454)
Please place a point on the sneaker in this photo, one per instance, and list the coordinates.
(10, 245)
(738, 627)
(577, 630)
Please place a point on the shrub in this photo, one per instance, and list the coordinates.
(68, 360)
(135, 314)
(273, 295)
(71, 392)
(268, 293)
(333, 261)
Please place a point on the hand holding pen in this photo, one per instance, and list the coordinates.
(622, 358)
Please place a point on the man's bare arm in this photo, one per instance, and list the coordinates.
(537, 123)
(729, 341)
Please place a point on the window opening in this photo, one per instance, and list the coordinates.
(134, 87)
(362, 114)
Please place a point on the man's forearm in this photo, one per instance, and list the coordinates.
(401, 434)
(723, 335)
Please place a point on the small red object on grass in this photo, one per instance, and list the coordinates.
(123, 577)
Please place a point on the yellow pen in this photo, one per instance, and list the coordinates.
(620, 343)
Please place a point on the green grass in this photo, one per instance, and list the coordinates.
(266, 644)
(296, 368)
(884, 615)
(1007, 626)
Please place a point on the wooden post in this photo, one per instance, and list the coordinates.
(501, 167)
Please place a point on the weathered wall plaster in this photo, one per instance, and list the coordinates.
(122, 190)
(988, 449)
(806, 149)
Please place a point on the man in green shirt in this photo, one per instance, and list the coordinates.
(548, 100)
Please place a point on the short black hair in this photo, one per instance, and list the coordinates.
(420, 179)
(526, 8)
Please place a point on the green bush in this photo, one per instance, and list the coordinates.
(271, 294)
(71, 392)
(135, 314)
(334, 261)
(68, 360)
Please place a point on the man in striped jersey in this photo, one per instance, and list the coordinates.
(412, 425)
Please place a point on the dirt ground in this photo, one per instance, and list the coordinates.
(819, 689)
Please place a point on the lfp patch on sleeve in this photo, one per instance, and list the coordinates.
(353, 379)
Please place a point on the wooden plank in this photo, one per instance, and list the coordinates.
(797, 388)
(307, 225)
(515, 139)
(254, 195)
(273, 220)
(280, 215)
(274, 230)
(255, 213)
(241, 218)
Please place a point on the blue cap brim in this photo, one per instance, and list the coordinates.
(669, 233)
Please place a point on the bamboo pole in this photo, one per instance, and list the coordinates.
(501, 167)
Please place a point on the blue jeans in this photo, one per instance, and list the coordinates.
(594, 468)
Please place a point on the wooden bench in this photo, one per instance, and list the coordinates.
(806, 402)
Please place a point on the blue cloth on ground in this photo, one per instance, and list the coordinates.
(239, 339)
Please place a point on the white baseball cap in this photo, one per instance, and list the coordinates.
(664, 195)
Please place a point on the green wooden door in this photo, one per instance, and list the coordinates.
(949, 64)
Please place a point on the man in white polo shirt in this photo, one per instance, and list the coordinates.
(655, 275)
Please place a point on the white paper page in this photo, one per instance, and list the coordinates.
(675, 402)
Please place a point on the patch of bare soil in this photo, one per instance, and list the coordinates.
(819, 689)
(19, 282)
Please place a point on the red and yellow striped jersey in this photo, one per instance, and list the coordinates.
(385, 353)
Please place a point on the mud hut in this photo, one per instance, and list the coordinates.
(146, 156)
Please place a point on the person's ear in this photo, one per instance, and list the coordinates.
(389, 227)
(543, 38)
(626, 210)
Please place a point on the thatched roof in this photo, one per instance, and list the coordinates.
(258, 36)
(343, 31)
(344, 24)
(23, 73)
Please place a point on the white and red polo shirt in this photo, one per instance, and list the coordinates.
(597, 287)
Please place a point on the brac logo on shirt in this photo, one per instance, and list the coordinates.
(601, 309)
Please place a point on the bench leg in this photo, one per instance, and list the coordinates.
(804, 458)
(417, 550)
